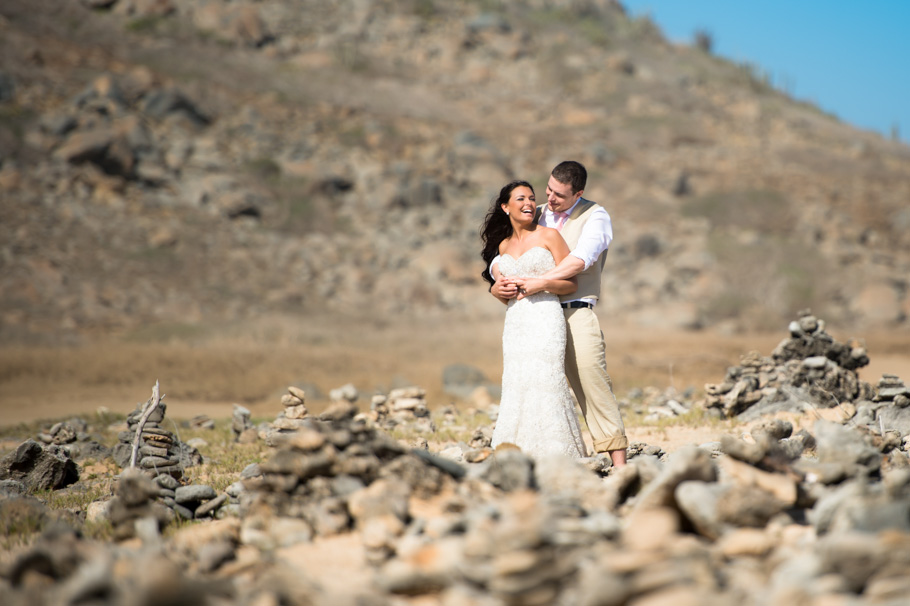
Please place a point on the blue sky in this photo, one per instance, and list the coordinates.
(852, 59)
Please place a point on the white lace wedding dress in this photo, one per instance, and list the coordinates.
(536, 411)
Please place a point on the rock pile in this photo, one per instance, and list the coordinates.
(294, 402)
(73, 436)
(162, 457)
(405, 406)
(135, 510)
(807, 371)
(242, 425)
(308, 487)
(890, 408)
(289, 420)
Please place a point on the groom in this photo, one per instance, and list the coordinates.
(587, 229)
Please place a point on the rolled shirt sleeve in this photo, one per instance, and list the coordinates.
(494, 262)
(595, 238)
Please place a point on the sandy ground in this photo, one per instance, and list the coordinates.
(253, 366)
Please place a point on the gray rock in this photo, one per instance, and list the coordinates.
(149, 430)
(88, 449)
(845, 446)
(687, 463)
(184, 512)
(508, 470)
(452, 468)
(386, 497)
(194, 493)
(152, 462)
(301, 465)
(240, 420)
(344, 486)
(777, 429)
(12, 488)
(327, 516)
(339, 410)
(854, 557)
(748, 506)
(134, 488)
(166, 481)
(39, 468)
(425, 480)
(250, 471)
(602, 587)
(698, 502)
(187, 456)
(211, 507)
(162, 103)
(892, 392)
(346, 392)
(215, 553)
(153, 451)
(894, 418)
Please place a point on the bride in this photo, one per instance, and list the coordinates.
(536, 411)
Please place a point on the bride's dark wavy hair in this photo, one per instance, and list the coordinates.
(497, 227)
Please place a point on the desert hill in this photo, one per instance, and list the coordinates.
(180, 163)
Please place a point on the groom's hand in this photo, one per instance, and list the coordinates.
(504, 289)
(529, 286)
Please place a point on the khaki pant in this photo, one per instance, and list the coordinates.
(586, 369)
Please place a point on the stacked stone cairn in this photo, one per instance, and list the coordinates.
(889, 410)
(406, 406)
(807, 371)
(289, 420)
(242, 425)
(163, 458)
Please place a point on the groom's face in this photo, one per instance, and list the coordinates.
(560, 196)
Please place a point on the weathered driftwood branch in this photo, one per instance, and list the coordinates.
(150, 406)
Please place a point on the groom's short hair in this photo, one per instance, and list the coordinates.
(571, 173)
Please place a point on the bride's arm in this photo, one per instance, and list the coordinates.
(559, 285)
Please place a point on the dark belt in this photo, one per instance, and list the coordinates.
(576, 305)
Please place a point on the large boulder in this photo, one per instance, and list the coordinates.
(39, 468)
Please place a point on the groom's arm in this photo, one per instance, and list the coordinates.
(559, 286)
(570, 267)
(595, 239)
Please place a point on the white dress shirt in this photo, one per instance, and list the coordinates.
(596, 234)
(595, 238)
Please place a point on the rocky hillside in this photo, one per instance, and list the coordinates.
(181, 161)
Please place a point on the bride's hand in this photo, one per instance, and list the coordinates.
(504, 288)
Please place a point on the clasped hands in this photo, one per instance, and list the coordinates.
(517, 288)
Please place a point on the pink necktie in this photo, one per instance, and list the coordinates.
(560, 220)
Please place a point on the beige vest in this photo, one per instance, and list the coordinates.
(589, 279)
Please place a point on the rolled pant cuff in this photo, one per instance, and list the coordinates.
(617, 443)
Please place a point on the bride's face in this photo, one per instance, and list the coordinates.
(522, 205)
